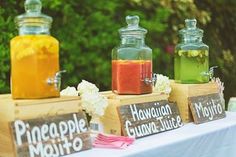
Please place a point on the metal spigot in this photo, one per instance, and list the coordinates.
(56, 81)
(210, 73)
(151, 80)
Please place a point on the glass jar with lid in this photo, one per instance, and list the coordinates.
(191, 56)
(132, 61)
(34, 55)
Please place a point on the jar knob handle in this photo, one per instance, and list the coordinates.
(191, 23)
(132, 21)
(33, 6)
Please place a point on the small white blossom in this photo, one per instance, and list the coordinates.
(219, 84)
(221, 88)
(87, 87)
(94, 103)
(69, 91)
(162, 84)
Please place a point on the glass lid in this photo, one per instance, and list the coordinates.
(33, 15)
(191, 29)
(133, 27)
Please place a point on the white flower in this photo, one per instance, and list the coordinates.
(94, 103)
(162, 84)
(86, 87)
(69, 91)
(221, 88)
(219, 84)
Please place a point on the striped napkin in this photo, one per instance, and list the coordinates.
(112, 141)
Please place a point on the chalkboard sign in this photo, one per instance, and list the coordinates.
(51, 136)
(206, 108)
(143, 119)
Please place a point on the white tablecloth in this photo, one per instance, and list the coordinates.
(212, 139)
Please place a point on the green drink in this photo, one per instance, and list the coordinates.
(191, 66)
(191, 56)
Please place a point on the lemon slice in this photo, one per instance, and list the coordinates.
(181, 52)
(193, 53)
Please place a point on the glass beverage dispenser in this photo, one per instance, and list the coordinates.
(191, 56)
(132, 61)
(34, 56)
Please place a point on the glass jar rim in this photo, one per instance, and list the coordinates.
(22, 20)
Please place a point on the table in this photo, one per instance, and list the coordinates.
(212, 139)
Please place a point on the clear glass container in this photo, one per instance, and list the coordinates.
(34, 55)
(191, 56)
(132, 61)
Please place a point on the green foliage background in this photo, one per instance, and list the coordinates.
(87, 31)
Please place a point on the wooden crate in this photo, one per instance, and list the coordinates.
(181, 92)
(11, 110)
(111, 120)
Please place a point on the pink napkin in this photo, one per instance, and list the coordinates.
(112, 141)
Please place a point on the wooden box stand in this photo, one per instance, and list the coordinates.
(10, 110)
(181, 92)
(111, 120)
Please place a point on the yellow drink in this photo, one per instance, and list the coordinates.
(34, 58)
